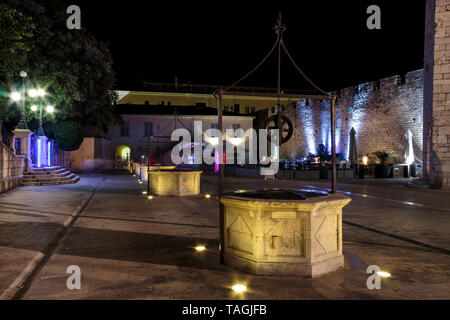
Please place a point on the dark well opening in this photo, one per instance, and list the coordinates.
(278, 194)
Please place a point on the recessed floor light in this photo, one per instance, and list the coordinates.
(200, 248)
(383, 274)
(239, 288)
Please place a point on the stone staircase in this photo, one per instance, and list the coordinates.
(48, 176)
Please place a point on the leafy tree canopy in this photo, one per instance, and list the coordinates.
(71, 65)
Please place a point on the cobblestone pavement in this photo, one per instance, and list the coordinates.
(129, 247)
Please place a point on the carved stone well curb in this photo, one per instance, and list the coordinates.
(284, 237)
(174, 182)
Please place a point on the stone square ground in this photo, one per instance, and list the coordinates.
(129, 247)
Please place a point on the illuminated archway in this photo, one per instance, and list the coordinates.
(123, 156)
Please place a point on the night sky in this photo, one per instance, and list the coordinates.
(216, 42)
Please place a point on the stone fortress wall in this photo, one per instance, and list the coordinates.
(380, 112)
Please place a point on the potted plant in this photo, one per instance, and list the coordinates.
(381, 168)
(384, 167)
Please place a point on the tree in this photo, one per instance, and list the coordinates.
(74, 68)
(15, 30)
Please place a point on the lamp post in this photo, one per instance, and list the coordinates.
(23, 122)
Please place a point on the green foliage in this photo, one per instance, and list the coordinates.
(386, 158)
(15, 31)
(67, 134)
(71, 65)
(382, 156)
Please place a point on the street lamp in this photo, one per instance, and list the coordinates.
(23, 122)
(16, 96)
(49, 109)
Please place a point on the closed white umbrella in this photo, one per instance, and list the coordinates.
(353, 153)
(409, 150)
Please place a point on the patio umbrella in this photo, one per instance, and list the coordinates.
(353, 153)
(409, 150)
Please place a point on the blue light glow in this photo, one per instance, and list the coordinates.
(49, 147)
(39, 152)
(216, 162)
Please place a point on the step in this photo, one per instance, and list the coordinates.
(43, 173)
(46, 176)
(49, 176)
(68, 176)
(44, 169)
(61, 182)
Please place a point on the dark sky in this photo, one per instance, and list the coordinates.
(216, 42)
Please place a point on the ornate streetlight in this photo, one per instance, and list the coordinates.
(23, 122)
(40, 93)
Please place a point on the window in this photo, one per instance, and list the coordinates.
(125, 129)
(214, 126)
(236, 126)
(247, 110)
(148, 129)
(253, 109)
(146, 102)
(225, 108)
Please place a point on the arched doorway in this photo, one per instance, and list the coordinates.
(123, 157)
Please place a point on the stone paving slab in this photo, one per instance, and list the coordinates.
(429, 224)
(30, 218)
(129, 247)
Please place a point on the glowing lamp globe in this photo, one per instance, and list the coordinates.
(33, 93)
(16, 96)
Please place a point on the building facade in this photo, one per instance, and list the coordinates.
(144, 131)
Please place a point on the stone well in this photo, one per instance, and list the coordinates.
(284, 232)
(176, 182)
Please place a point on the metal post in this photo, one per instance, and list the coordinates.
(221, 182)
(148, 166)
(23, 122)
(333, 144)
(41, 129)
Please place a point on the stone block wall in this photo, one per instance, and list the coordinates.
(11, 169)
(437, 102)
(380, 112)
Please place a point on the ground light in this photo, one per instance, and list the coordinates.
(239, 288)
(207, 196)
(150, 197)
(200, 248)
(383, 274)
(144, 192)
